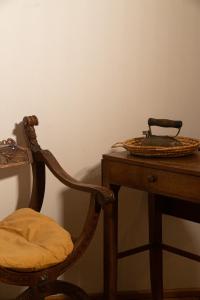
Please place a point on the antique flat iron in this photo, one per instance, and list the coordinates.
(161, 140)
(160, 145)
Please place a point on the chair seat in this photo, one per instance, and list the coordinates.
(31, 240)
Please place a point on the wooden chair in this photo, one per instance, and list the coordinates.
(43, 282)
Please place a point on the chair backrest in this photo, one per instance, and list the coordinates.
(38, 166)
(13, 155)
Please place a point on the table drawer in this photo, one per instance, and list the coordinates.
(154, 180)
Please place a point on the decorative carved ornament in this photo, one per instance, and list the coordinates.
(11, 154)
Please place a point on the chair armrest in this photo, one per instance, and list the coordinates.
(103, 194)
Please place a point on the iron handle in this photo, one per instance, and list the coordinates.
(165, 123)
(152, 178)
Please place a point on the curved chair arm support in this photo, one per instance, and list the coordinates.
(99, 197)
(103, 194)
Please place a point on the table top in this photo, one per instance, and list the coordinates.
(187, 164)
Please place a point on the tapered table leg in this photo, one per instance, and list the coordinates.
(155, 239)
(110, 247)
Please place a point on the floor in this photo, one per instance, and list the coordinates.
(182, 298)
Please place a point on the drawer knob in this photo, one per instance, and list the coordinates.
(152, 178)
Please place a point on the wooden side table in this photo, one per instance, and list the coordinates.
(173, 186)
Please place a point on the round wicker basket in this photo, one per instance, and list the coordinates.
(135, 147)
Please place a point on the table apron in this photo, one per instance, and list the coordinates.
(183, 186)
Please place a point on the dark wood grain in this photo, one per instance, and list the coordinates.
(178, 294)
(173, 185)
(185, 165)
(44, 282)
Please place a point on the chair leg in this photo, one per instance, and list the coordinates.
(62, 287)
(31, 294)
(52, 288)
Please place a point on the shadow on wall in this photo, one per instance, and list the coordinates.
(88, 269)
(22, 173)
(185, 272)
(195, 2)
(133, 228)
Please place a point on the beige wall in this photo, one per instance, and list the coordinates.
(93, 71)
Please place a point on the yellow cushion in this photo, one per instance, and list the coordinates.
(30, 240)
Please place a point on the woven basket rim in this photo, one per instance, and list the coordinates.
(189, 146)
